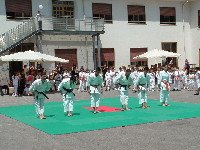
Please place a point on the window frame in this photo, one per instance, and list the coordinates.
(103, 16)
(163, 19)
(136, 21)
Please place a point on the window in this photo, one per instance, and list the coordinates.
(171, 47)
(107, 56)
(68, 54)
(136, 14)
(167, 15)
(18, 9)
(63, 8)
(102, 11)
(135, 52)
(199, 18)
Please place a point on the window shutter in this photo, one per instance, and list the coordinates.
(104, 9)
(136, 10)
(135, 52)
(20, 6)
(167, 11)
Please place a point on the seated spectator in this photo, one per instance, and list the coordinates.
(26, 90)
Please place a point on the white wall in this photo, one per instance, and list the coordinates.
(122, 36)
(195, 33)
(6, 25)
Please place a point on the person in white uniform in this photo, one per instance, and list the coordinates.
(108, 80)
(142, 83)
(81, 81)
(124, 81)
(197, 76)
(184, 78)
(95, 88)
(164, 86)
(39, 87)
(191, 82)
(66, 87)
(152, 80)
(15, 79)
(177, 80)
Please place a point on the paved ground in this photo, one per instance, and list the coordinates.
(169, 135)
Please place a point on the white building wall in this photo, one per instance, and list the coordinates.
(122, 36)
(195, 33)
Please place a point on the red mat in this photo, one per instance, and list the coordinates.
(105, 109)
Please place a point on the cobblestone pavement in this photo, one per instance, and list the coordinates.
(169, 135)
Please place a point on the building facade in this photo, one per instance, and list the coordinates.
(131, 27)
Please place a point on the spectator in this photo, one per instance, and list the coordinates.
(15, 79)
(187, 67)
(39, 19)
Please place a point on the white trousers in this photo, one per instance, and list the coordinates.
(142, 95)
(123, 97)
(191, 84)
(39, 105)
(15, 89)
(81, 85)
(68, 102)
(177, 84)
(95, 99)
(152, 84)
(164, 96)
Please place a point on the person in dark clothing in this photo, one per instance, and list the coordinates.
(22, 83)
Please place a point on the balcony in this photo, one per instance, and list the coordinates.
(65, 25)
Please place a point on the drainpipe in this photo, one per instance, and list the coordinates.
(83, 9)
(183, 16)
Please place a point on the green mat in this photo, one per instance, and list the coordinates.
(85, 120)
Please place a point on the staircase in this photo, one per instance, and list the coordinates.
(17, 35)
(22, 32)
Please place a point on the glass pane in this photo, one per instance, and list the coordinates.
(136, 18)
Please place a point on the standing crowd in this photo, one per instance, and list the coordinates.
(139, 80)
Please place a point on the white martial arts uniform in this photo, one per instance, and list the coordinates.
(123, 89)
(142, 82)
(38, 86)
(191, 81)
(184, 78)
(108, 79)
(152, 81)
(134, 76)
(95, 83)
(197, 76)
(164, 83)
(170, 77)
(177, 80)
(67, 94)
(81, 81)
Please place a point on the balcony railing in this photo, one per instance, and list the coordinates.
(14, 36)
(70, 24)
(30, 27)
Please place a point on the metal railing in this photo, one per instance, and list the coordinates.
(70, 24)
(14, 36)
(30, 27)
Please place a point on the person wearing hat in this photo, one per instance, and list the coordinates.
(39, 87)
(124, 81)
(164, 86)
(142, 83)
(66, 87)
(95, 88)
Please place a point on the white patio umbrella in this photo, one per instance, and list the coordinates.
(32, 56)
(157, 54)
